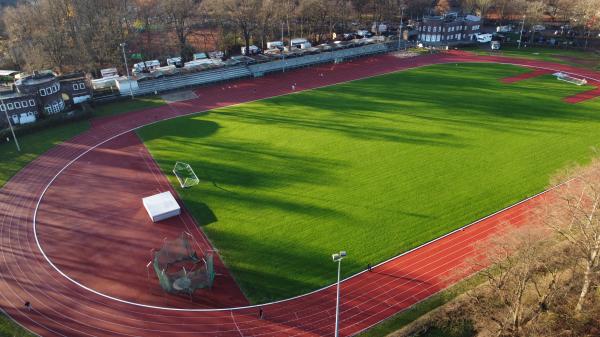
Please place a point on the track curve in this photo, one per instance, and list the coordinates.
(62, 308)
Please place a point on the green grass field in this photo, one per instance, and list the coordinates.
(374, 167)
(120, 107)
(572, 57)
(33, 145)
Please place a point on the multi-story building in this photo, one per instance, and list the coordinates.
(41, 94)
(448, 29)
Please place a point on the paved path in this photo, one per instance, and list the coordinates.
(62, 307)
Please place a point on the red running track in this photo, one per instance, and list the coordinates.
(63, 308)
(586, 95)
(525, 76)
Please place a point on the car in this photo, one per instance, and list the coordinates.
(504, 29)
(538, 28)
(495, 45)
(483, 38)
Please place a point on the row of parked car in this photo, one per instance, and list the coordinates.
(202, 61)
(300, 47)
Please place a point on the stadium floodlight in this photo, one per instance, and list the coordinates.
(338, 257)
(521, 34)
(12, 130)
(122, 45)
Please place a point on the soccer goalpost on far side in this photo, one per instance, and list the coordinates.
(185, 175)
(567, 78)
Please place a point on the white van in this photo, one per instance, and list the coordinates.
(274, 44)
(484, 38)
(495, 45)
(252, 50)
(504, 29)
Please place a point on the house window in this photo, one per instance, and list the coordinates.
(429, 28)
(17, 105)
(31, 102)
(42, 92)
(75, 86)
(9, 106)
(24, 104)
(81, 86)
(2, 107)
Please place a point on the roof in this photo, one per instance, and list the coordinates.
(473, 18)
(6, 94)
(35, 79)
(8, 72)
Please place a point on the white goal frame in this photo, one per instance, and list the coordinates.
(567, 78)
(185, 175)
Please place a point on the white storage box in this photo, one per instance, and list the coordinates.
(161, 206)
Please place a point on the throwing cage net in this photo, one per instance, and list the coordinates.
(180, 270)
(185, 174)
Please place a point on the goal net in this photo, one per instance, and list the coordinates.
(180, 270)
(570, 79)
(185, 175)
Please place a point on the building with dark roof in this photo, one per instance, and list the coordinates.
(33, 96)
(448, 29)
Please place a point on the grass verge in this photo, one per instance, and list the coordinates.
(576, 58)
(33, 145)
(8, 328)
(422, 308)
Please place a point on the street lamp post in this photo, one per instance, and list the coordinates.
(521, 35)
(126, 68)
(338, 257)
(11, 126)
(401, 26)
(283, 47)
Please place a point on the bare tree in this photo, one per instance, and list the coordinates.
(442, 7)
(180, 15)
(521, 284)
(575, 216)
(483, 7)
(243, 14)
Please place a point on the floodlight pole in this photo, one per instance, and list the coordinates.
(401, 25)
(521, 35)
(338, 257)
(123, 44)
(11, 126)
(283, 47)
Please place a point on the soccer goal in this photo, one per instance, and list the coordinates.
(570, 79)
(185, 174)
